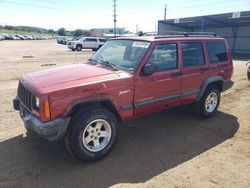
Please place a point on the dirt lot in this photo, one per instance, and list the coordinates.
(169, 149)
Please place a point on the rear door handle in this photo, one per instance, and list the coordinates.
(203, 69)
(176, 74)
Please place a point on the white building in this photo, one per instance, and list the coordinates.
(100, 32)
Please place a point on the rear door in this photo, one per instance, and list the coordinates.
(91, 43)
(194, 70)
(161, 89)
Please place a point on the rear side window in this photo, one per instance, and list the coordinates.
(217, 52)
(91, 40)
(192, 54)
(164, 56)
(102, 40)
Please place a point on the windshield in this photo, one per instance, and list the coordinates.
(123, 54)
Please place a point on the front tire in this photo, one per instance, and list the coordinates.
(92, 135)
(79, 48)
(209, 103)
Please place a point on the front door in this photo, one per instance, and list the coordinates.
(160, 89)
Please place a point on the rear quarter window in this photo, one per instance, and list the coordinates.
(217, 52)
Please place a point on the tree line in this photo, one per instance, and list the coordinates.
(76, 33)
(27, 29)
(60, 31)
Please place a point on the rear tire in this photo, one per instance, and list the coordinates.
(207, 106)
(92, 135)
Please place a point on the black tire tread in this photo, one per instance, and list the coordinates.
(77, 47)
(80, 119)
(248, 73)
(198, 107)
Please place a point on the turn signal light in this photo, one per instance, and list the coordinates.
(46, 109)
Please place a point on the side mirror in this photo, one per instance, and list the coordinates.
(149, 69)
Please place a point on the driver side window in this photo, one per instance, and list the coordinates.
(164, 56)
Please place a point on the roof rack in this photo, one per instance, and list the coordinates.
(173, 34)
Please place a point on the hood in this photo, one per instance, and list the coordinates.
(74, 41)
(68, 76)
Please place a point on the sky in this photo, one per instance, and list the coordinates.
(131, 14)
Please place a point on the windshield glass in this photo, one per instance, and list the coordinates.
(123, 54)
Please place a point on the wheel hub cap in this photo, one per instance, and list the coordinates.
(211, 102)
(96, 135)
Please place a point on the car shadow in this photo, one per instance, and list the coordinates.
(146, 147)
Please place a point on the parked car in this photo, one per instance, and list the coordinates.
(2, 37)
(5, 36)
(248, 70)
(126, 79)
(15, 37)
(8, 37)
(93, 43)
(62, 40)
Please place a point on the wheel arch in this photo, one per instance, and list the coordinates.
(79, 45)
(218, 81)
(93, 103)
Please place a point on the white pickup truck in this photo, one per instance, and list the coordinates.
(93, 43)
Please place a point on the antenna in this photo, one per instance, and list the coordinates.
(114, 17)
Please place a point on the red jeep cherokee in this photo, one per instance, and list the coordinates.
(125, 79)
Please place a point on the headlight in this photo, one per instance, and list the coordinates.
(37, 102)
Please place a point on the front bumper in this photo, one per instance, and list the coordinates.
(71, 47)
(51, 130)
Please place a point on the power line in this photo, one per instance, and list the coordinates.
(27, 5)
(132, 7)
(14, 3)
(153, 9)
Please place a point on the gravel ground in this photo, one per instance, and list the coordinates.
(169, 149)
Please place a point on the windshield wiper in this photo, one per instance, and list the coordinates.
(92, 61)
(106, 63)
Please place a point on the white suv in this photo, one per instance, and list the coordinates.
(93, 43)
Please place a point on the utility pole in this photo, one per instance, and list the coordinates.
(165, 12)
(114, 18)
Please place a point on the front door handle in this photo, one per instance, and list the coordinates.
(204, 69)
(176, 74)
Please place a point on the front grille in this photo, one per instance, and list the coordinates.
(25, 96)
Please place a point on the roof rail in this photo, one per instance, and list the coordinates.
(173, 34)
